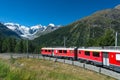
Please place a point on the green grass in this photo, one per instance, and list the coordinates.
(19, 74)
(11, 72)
(37, 69)
(4, 70)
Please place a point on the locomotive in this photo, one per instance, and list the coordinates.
(100, 57)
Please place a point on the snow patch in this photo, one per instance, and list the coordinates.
(51, 24)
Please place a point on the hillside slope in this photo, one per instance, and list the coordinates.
(5, 32)
(96, 30)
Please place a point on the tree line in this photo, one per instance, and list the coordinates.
(13, 45)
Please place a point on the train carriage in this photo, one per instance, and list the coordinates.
(90, 56)
(111, 59)
(47, 51)
(68, 53)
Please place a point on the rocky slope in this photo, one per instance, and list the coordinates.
(5, 32)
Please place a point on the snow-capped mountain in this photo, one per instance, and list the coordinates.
(35, 29)
(30, 32)
(5, 32)
(51, 27)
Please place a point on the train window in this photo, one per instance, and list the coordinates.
(96, 54)
(65, 51)
(60, 51)
(117, 56)
(87, 53)
(79, 52)
(45, 50)
(49, 51)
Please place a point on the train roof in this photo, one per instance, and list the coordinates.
(58, 48)
(101, 50)
(86, 49)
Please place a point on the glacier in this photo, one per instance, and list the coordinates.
(30, 32)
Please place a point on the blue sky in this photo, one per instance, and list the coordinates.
(59, 12)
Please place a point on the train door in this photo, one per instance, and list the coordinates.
(52, 52)
(75, 53)
(105, 59)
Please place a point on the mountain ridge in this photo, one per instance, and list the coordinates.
(30, 32)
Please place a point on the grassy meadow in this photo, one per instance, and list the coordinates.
(37, 69)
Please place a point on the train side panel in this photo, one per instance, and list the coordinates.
(90, 56)
(64, 53)
(114, 61)
(46, 51)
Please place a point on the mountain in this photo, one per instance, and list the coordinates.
(30, 32)
(97, 29)
(48, 29)
(51, 27)
(5, 32)
(117, 7)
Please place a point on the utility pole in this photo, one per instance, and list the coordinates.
(116, 39)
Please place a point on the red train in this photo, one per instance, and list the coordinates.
(100, 57)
